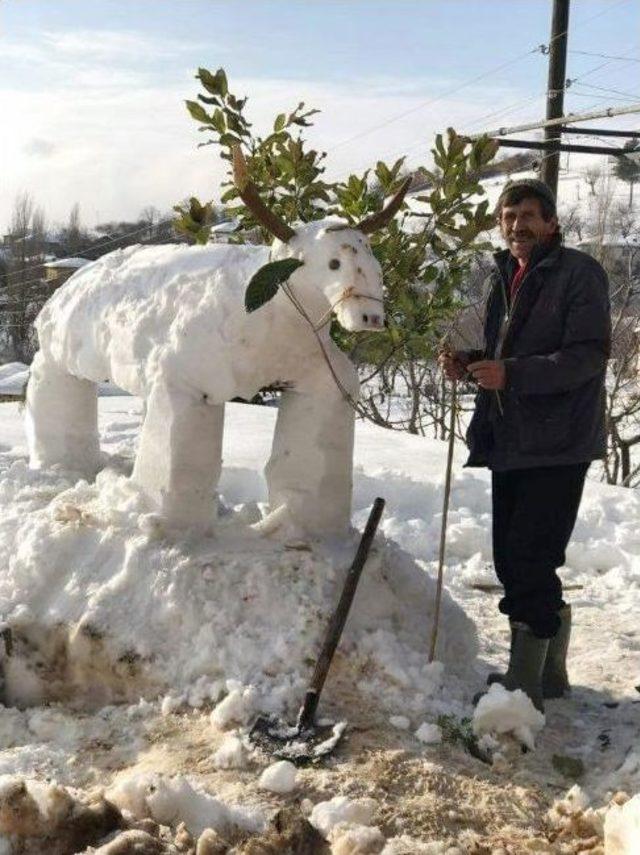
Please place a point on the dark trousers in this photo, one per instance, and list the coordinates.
(534, 512)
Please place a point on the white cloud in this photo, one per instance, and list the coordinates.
(96, 45)
(117, 140)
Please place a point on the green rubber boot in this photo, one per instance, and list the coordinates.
(526, 664)
(498, 676)
(555, 680)
(528, 657)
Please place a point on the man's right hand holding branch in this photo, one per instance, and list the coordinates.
(453, 363)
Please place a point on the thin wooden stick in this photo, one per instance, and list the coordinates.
(443, 528)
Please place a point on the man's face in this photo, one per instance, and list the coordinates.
(523, 226)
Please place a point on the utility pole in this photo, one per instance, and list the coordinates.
(555, 88)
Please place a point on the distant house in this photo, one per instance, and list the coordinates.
(221, 232)
(57, 272)
(613, 250)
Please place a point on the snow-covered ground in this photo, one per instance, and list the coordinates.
(398, 782)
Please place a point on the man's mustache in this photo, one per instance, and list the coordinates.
(519, 235)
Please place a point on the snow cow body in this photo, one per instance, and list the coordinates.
(169, 323)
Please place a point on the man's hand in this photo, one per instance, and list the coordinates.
(489, 373)
(453, 363)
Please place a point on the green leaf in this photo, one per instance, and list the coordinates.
(221, 81)
(207, 100)
(198, 112)
(280, 122)
(209, 82)
(234, 123)
(218, 122)
(228, 195)
(229, 139)
(265, 283)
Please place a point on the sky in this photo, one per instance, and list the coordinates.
(92, 93)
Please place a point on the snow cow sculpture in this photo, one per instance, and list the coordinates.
(169, 324)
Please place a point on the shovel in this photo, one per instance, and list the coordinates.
(308, 741)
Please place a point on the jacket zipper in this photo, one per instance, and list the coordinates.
(508, 311)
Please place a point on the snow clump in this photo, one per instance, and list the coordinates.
(231, 754)
(236, 708)
(501, 711)
(170, 801)
(622, 828)
(430, 734)
(326, 815)
(349, 839)
(281, 777)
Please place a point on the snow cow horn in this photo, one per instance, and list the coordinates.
(381, 218)
(251, 198)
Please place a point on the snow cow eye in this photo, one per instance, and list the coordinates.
(334, 264)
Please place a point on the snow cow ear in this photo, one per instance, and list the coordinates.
(265, 282)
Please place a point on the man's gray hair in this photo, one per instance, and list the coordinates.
(516, 191)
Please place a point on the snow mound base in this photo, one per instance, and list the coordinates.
(100, 605)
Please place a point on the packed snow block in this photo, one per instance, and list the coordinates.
(98, 606)
(169, 324)
(62, 419)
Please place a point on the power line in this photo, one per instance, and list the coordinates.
(504, 111)
(393, 119)
(606, 56)
(634, 96)
(538, 49)
(617, 98)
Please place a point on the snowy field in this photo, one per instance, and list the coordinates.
(399, 783)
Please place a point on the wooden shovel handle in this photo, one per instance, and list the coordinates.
(339, 618)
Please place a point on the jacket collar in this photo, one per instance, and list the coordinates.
(543, 254)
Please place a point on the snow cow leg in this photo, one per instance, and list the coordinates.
(180, 456)
(310, 468)
(62, 419)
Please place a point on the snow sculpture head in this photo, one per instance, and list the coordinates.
(338, 271)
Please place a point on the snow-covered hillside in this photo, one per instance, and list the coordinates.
(405, 786)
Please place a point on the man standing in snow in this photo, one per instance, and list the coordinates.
(538, 422)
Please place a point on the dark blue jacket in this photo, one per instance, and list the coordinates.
(555, 341)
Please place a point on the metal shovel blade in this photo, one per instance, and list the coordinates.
(289, 742)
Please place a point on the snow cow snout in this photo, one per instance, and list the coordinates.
(360, 313)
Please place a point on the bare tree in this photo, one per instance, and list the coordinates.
(24, 290)
(592, 176)
(573, 223)
(623, 387)
(150, 215)
(614, 239)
